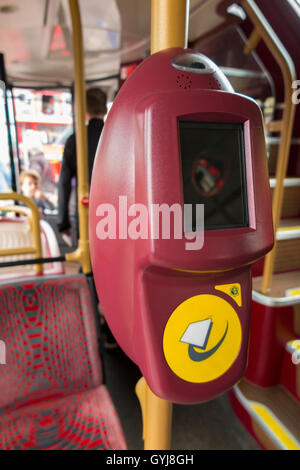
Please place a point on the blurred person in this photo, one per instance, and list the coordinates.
(30, 187)
(96, 110)
(38, 162)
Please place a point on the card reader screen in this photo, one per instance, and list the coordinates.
(214, 173)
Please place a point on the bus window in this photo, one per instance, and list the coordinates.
(44, 122)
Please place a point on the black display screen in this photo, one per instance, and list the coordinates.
(214, 173)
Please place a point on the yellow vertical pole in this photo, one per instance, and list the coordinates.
(169, 24)
(169, 28)
(82, 254)
(157, 418)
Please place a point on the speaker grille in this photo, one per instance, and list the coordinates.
(184, 81)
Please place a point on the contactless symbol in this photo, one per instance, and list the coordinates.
(194, 338)
(202, 338)
(198, 333)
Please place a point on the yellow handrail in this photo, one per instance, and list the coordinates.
(82, 254)
(34, 219)
(287, 67)
(253, 42)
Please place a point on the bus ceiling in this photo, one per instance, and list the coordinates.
(36, 37)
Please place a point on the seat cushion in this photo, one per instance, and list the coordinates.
(86, 420)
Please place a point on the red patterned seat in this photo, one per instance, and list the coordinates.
(81, 421)
(51, 391)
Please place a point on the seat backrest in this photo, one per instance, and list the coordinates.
(49, 331)
(16, 233)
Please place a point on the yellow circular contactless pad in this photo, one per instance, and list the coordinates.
(202, 338)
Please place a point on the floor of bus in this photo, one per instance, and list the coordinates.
(208, 426)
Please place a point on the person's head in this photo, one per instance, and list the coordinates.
(95, 103)
(35, 151)
(30, 182)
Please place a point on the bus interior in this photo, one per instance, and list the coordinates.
(255, 44)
